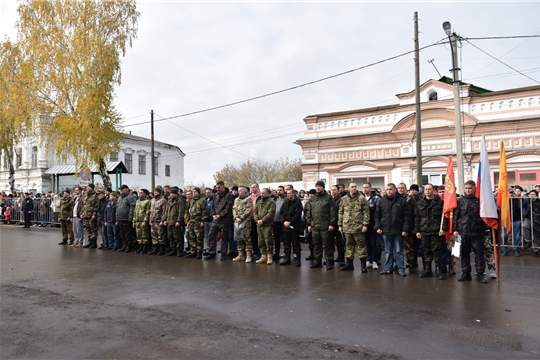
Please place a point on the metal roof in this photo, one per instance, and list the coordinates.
(70, 169)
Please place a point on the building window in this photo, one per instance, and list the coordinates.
(142, 164)
(156, 167)
(167, 170)
(128, 161)
(34, 156)
(18, 160)
(527, 177)
(433, 96)
(114, 157)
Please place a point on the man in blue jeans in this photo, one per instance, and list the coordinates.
(393, 221)
(517, 207)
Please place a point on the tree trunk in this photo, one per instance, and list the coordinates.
(8, 150)
(103, 174)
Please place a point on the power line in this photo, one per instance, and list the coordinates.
(501, 37)
(519, 72)
(290, 88)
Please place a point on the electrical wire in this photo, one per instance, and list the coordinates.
(502, 37)
(505, 64)
(290, 88)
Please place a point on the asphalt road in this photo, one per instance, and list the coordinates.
(62, 302)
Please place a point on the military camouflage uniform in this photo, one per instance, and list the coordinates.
(321, 213)
(66, 212)
(197, 212)
(90, 208)
(353, 216)
(265, 210)
(175, 213)
(242, 209)
(488, 250)
(158, 207)
(142, 215)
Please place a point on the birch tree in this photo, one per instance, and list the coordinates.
(76, 49)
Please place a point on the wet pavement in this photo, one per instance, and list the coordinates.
(64, 302)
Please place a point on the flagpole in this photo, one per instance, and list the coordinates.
(497, 248)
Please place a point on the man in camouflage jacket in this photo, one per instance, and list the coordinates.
(242, 220)
(158, 217)
(141, 221)
(175, 223)
(66, 212)
(197, 213)
(89, 214)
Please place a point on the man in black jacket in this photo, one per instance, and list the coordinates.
(103, 200)
(27, 210)
(393, 222)
(291, 212)
(469, 225)
(222, 219)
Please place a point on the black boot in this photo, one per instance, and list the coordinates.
(64, 242)
(427, 270)
(438, 272)
(329, 264)
(128, 247)
(138, 249)
(199, 255)
(144, 249)
(123, 248)
(171, 253)
(363, 263)
(161, 251)
(317, 264)
(88, 244)
(101, 247)
(93, 244)
(155, 250)
(348, 265)
(286, 260)
(341, 259)
(179, 253)
(298, 257)
(466, 276)
(481, 278)
(192, 254)
(311, 256)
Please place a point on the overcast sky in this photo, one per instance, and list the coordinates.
(193, 56)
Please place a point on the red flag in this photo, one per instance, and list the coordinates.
(450, 199)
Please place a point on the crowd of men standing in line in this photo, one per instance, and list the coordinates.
(252, 225)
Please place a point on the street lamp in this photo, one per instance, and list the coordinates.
(457, 108)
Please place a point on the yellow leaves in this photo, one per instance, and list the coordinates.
(76, 48)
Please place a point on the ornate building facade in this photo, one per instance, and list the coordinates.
(379, 144)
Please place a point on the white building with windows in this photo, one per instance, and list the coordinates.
(38, 170)
(379, 144)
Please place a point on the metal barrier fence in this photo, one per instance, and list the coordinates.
(44, 214)
(525, 229)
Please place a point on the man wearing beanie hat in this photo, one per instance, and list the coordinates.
(89, 214)
(411, 244)
(125, 207)
(158, 217)
(141, 221)
(321, 219)
(175, 223)
(197, 213)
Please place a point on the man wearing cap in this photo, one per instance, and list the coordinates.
(125, 207)
(221, 213)
(103, 199)
(321, 219)
(158, 217)
(110, 222)
(141, 221)
(27, 209)
(264, 214)
(197, 213)
(174, 222)
(66, 210)
(89, 214)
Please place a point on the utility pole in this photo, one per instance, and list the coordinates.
(457, 108)
(152, 150)
(418, 110)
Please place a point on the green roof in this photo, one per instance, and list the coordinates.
(473, 89)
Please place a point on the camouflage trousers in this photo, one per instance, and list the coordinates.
(266, 239)
(411, 245)
(488, 251)
(244, 243)
(142, 233)
(355, 241)
(67, 230)
(158, 234)
(92, 228)
(196, 236)
(433, 247)
(175, 235)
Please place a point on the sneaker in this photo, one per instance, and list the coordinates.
(375, 266)
(402, 273)
(517, 254)
(368, 264)
(492, 274)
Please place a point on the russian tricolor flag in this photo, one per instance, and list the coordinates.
(484, 189)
